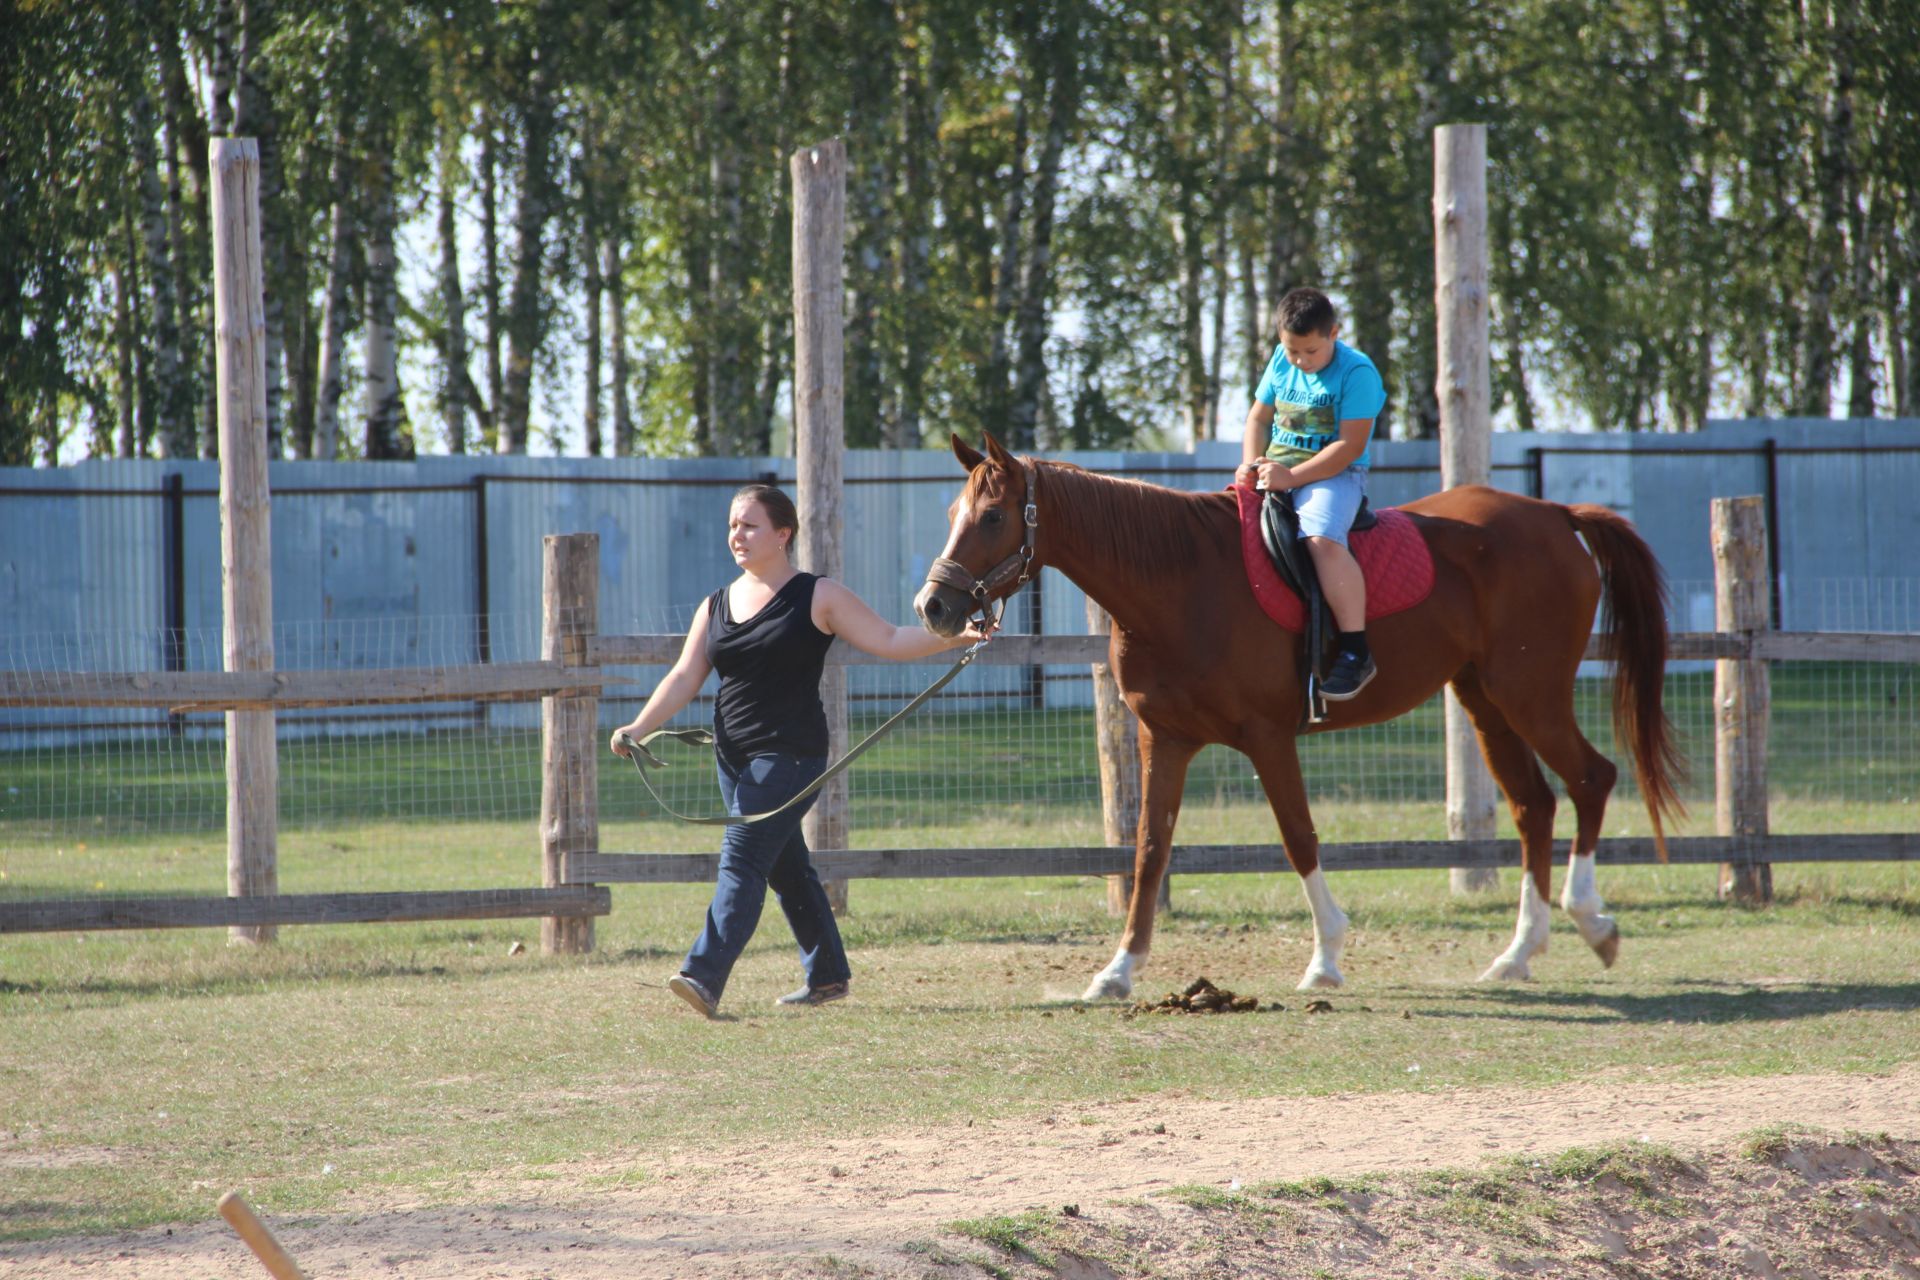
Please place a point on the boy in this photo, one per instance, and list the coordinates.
(1308, 430)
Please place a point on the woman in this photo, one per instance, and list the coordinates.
(767, 634)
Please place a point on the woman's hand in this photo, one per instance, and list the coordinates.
(615, 745)
(971, 635)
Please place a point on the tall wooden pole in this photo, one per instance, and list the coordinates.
(819, 429)
(246, 533)
(1742, 691)
(1465, 387)
(569, 733)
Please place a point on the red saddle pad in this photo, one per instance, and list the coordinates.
(1393, 557)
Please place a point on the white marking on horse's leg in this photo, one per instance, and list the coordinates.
(1115, 982)
(1582, 901)
(1329, 933)
(1529, 937)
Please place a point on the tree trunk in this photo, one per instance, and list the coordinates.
(1193, 369)
(123, 359)
(611, 269)
(1833, 178)
(219, 125)
(178, 113)
(220, 111)
(1254, 350)
(301, 332)
(333, 308)
(1895, 338)
(1372, 329)
(524, 329)
(137, 421)
(1861, 374)
(254, 117)
(382, 381)
(590, 393)
(870, 269)
(454, 380)
(1062, 115)
(165, 430)
(920, 140)
(994, 388)
(490, 251)
(729, 333)
(1289, 217)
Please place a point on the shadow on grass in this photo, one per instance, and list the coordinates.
(1699, 1003)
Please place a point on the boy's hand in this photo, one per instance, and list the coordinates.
(1264, 474)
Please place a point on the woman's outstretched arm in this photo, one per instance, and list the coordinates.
(839, 612)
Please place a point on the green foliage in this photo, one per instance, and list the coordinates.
(1694, 207)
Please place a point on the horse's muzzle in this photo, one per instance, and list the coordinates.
(942, 609)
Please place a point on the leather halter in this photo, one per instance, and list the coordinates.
(1017, 567)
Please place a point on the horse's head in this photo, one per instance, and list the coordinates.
(990, 540)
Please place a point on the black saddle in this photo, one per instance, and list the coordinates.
(1280, 530)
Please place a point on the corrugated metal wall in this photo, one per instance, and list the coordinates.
(394, 564)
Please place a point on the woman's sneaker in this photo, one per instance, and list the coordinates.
(814, 995)
(693, 993)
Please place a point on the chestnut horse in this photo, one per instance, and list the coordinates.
(1516, 584)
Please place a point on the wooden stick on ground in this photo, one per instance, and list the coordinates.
(236, 1211)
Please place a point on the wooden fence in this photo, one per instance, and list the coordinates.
(575, 871)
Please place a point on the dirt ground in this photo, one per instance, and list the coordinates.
(1173, 1186)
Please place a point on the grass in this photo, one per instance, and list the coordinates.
(142, 1074)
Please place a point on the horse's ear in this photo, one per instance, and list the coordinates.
(999, 455)
(969, 456)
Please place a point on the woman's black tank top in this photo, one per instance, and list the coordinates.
(769, 665)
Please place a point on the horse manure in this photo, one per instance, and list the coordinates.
(1200, 996)
(1319, 1006)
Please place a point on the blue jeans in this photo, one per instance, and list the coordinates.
(752, 858)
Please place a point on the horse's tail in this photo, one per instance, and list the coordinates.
(1633, 626)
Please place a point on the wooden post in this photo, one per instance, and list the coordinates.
(1742, 691)
(819, 431)
(569, 727)
(1465, 387)
(246, 533)
(1117, 739)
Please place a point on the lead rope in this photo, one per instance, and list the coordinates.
(644, 759)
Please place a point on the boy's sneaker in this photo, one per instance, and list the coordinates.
(693, 993)
(1349, 676)
(814, 995)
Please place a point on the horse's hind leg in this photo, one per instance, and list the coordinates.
(1163, 779)
(1530, 799)
(1549, 726)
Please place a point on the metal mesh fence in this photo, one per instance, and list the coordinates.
(118, 801)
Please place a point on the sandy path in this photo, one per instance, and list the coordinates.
(766, 1210)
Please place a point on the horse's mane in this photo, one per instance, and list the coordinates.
(1150, 526)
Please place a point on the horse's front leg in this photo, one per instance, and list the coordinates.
(1277, 759)
(1163, 778)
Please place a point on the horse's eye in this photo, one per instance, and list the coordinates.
(993, 517)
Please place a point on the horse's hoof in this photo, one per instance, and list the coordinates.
(1321, 980)
(1608, 948)
(1507, 970)
(1107, 986)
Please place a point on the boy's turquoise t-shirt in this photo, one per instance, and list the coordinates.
(1308, 408)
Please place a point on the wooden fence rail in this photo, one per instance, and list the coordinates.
(525, 681)
(576, 871)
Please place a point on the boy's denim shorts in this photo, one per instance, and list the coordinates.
(1327, 507)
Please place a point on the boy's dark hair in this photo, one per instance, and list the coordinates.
(778, 506)
(1304, 310)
